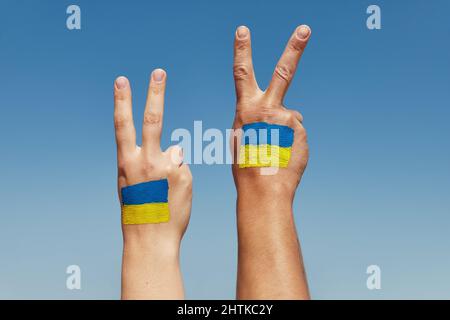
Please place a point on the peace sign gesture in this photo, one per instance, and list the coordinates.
(152, 248)
(270, 265)
(256, 106)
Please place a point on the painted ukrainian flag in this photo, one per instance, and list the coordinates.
(265, 145)
(145, 202)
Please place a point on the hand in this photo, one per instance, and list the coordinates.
(255, 105)
(158, 242)
(270, 265)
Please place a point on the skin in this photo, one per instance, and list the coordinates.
(270, 264)
(150, 265)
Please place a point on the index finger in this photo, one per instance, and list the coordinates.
(244, 75)
(123, 117)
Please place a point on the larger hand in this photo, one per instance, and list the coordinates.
(269, 263)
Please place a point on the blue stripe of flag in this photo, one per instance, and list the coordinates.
(254, 134)
(146, 192)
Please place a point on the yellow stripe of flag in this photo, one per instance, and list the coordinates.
(265, 155)
(157, 212)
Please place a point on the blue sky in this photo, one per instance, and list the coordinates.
(375, 103)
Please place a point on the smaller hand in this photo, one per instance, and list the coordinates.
(255, 105)
(144, 163)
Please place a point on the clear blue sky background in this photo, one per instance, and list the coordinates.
(375, 103)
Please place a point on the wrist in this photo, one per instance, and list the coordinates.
(264, 208)
(250, 183)
(150, 267)
(149, 240)
(264, 191)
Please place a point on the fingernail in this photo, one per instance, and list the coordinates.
(181, 153)
(121, 82)
(303, 32)
(242, 32)
(158, 75)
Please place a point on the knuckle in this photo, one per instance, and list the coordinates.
(297, 45)
(290, 118)
(266, 112)
(283, 72)
(123, 166)
(298, 116)
(169, 169)
(241, 71)
(151, 118)
(148, 166)
(148, 171)
(118, 96)
(121, 121)
(156, 89)
(242, 44)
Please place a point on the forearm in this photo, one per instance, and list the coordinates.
(270, 264)
(151, 269)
